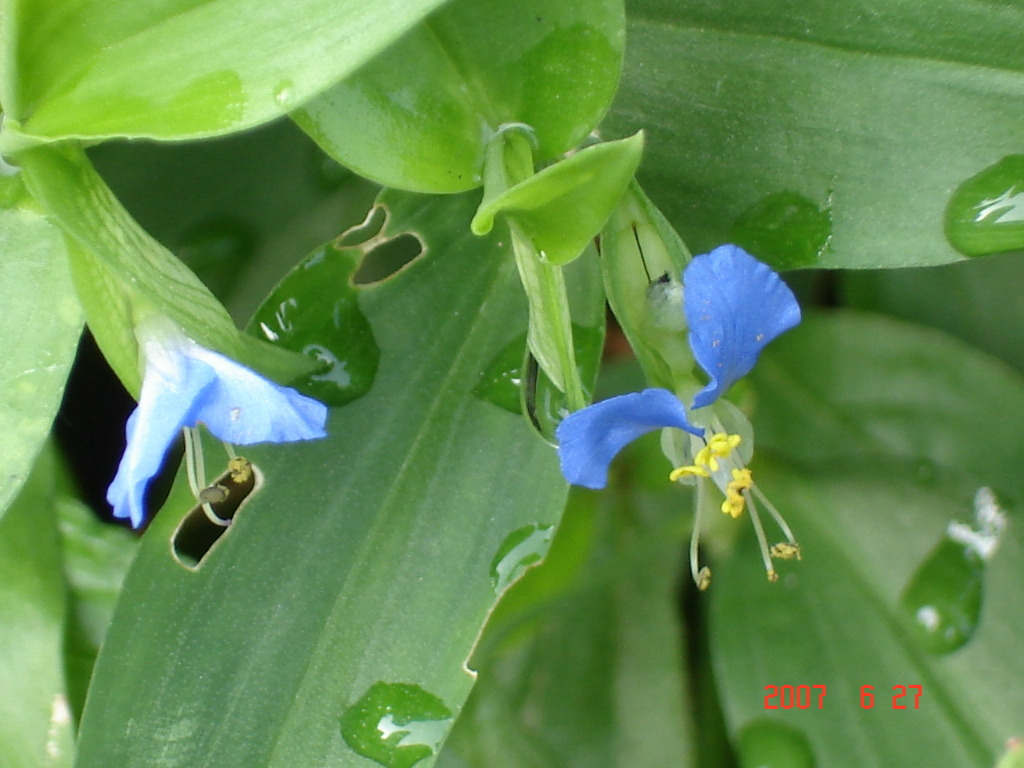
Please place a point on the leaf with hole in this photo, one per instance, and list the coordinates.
(360, 570)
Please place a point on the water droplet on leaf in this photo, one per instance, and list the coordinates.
(520, 549)
(784, 229)
(315, 310)
(986, 213)
(770, 744)
(943, 598)
(396, 724)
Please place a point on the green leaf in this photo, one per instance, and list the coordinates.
(581, 663)
(122, 272)
(869, 443)
(364, 559)
(420, 116)
(96, 557)
(815, 135)
(39, 329)
(175, 69)
(979, 300)
(564, 206)
(35, 721)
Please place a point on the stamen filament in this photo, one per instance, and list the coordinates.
(762, 540)
(195, 480)
(195, 471)
(701, 576)
(776, 516)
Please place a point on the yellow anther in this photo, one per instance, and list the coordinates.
(772, 576)
(733, 505)
(689, 471)
(742, 479)
(240, 469)
(786, 551)
(722, 444)
(705, 458)
(703, 578)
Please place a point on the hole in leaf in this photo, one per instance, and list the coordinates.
(368, 228)
(388, 257)
(197, 533)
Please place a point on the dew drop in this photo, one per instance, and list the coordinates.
(785, 229)
(520, 549)
(944, 596)
(770, 744)
(315, 310)
(986, 213)
(396, 724)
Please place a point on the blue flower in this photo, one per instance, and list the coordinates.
(734, 306)
(185, 384)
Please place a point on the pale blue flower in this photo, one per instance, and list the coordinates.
(185, 384)
(734, 306)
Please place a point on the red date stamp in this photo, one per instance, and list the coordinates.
(813, 696)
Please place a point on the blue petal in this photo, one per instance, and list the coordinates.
(734, 305)
(589, 439)
(165, 406)
(185, 384)
(243, 407)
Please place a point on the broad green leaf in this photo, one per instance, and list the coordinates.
(980, 301)
(95, 556)
(420, 115)
(563, 207)
(817, 135)
(175, 69)
(39, 329)
(357, 578)
(581, 663)
(35, 719)
(869, 443)
(121, 271)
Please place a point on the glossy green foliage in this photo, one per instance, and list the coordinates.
(122, 274)
(979, 301)
(360, 572)
(873, 453)
(35, 719)
(578, 665)
(173, 69)
(563, 207)
(815, 135)
(39, 327)
(420, 115)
